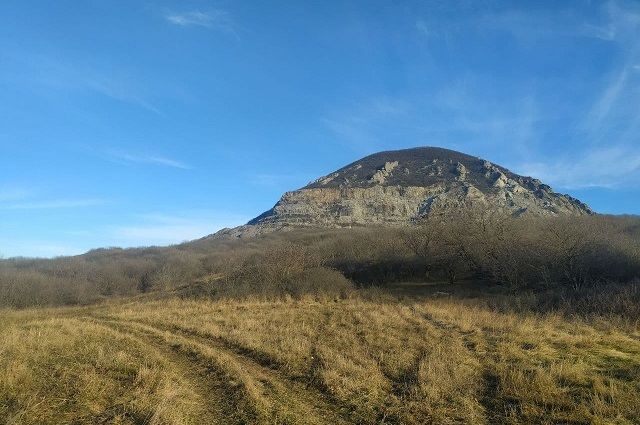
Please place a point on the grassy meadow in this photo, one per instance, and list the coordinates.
(365, 359)
(477, 319)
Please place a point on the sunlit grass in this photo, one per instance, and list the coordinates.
(354, 360)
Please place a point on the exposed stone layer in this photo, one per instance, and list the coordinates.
(399, 187)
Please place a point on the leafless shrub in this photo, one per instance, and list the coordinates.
(526, 253)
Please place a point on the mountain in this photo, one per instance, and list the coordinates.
(398, 187)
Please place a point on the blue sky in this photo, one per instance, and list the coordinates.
(127, 123)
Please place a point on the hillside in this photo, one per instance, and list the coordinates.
(400, 187)
(480, 316)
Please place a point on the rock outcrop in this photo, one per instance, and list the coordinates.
(398, 187)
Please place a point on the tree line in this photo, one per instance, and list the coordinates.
(561, 255)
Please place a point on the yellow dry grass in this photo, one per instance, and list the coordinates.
(348, 361)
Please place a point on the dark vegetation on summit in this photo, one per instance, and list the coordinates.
(414, 165)
(404, 186)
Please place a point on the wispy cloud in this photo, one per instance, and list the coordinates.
(474, 115)
(191, 18)
(612, 119)
(422, 27)
(14, 197)
(614, 21)
(161, 229)
(361, 124)
(150, 159)
(610, 21)
(602, 132)
(213, 19)
(72, 76)
(284, 181)
(609, 98)
(622, 20)
(526, 24)
(35, 248)
(119, 90)
(606, 167)
(462, 115)
(53, 204)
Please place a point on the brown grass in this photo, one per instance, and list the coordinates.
(341, 361)
(69, 370)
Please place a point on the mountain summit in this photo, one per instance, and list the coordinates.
(398, 187)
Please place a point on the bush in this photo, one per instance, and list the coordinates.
(561, 255)
(607, 299)
(319, 282)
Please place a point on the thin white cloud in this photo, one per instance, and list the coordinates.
(70, 75)
(516, 126)
(191, 18)
(608, 25)
(162, 234)
(143, 230)
(609, 98)
(53, 204)
(459, 116)
(119, 90)
(611, 155)
(284, 181)
(607, 33)
(21, 198)
(214, 19)
(623, 20)
(149, 159)
(607, 167)
(160, 229)
(360, 123)
(422, 27)
(510, 121)
(610, 21)
(35, 248)
(616, 104)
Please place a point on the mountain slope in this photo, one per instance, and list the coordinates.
(398, 187)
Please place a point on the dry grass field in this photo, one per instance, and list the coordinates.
(358, 360)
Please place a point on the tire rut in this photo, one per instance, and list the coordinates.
(273, 396)
(207, 382)
(483, 348)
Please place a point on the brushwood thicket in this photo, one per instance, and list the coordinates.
(585, 264)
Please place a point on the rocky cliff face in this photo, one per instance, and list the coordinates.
(398, 187)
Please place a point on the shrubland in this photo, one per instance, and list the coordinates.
(584, 264)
